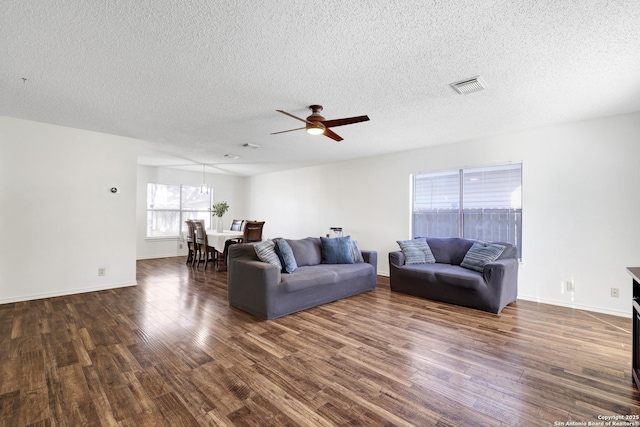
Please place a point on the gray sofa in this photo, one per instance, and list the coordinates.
(445, 280)
(263, 290)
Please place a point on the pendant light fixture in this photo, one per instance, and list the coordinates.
(204, 188)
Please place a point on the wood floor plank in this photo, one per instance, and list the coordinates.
(74, 386)
(34, 406)
(172, 352)
(10, 409)
(10, 374)
(99, 397)
(197, 400)
(174, 412)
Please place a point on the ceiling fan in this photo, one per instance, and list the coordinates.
(317, 125)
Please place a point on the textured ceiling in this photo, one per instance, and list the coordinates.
(196, 79)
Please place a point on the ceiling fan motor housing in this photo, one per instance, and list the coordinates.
(315, 114)
(317, 128)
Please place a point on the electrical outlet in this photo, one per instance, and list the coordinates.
(571, 286)
(102, 271)
(180, 246)
(615, 293)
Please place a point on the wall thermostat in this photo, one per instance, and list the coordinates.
(114, 190)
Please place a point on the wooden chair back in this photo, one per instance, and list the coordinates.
(202, 243)
(191, 243)
(200, 234)
(253, 231)
(190, 230)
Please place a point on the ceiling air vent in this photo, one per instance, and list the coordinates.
(466, 86)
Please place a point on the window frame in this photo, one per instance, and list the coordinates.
(461, 210)
(181, 211)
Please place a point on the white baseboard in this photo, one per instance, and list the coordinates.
(66, 292)
(562, 303)
(157, 256)
(577, 306)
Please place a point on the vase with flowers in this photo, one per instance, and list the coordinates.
(218, 210)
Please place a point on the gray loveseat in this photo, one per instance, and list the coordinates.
(263, 290)
(445, 280)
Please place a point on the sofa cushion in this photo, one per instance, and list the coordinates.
(438, 274)
(480, 254)
(336, 250)
(305, 277)
(423, 271)
(285, 254)
(449, 250)
(458, 276)
(306, 251)
(266, 252)
(324, 274)
(347, 272)
(416, 251)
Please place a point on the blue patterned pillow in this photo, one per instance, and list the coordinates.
(267, 253)
(480, 254)
(336, 250)
(356, 253)
(285, 254)
(416, 251)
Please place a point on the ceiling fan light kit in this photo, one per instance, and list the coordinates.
(204, 188)
(315, 129)
(315, 124)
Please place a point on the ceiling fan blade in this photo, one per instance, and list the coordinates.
(295, 117)
(290, 130)
(331, 134)
(345, 121)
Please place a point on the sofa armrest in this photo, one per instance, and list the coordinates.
(501, 277)
(371, 257)
(500, 268)
(251, 284)
(249, 273)
(396, 259)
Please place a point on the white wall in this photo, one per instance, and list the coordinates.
(580, 204)
(60, 222)
(231, 189)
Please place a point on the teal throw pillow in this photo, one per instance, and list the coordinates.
(416, 251)
(267, 253)
(480, 254)
(285, 254)
(336, 250)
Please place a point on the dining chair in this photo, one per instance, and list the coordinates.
(237, 224)
(202, 244)
(252, 232)
(191, 242)
(199, 237)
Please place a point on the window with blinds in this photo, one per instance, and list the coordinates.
(168, 206)
(475, 203)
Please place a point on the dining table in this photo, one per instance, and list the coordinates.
(218, 240)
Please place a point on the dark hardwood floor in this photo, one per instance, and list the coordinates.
(171, 352)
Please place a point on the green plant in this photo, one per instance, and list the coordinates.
(220, 209)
